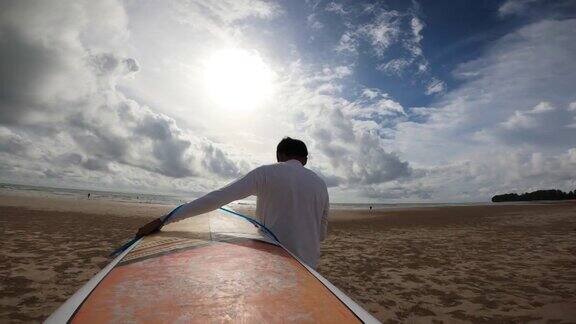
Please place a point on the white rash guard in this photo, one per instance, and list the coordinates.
(292, 202)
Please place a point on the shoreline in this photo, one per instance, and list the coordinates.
(84, 205)
(338, 211)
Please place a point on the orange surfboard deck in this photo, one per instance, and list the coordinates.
(206, 269)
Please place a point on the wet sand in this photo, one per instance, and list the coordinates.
(502, 263)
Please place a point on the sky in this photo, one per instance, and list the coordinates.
(398, 101)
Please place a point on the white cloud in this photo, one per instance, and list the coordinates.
(542, 108)
(519, 120)
(383, 31)
(417, 27)
(230, 11)
(99, 136)
(512, 110)
(395, 66)
(374, 109)
(345, 140)
(336, 8)
(313, 22)
(435, 86)
(108, 139)
(370, 93)
(103, 136)
(348, 42)
(527, 118)
(339, 71)
(96, 103)
(380, 32)
(63, 118)
(511, 7)
(542, 125)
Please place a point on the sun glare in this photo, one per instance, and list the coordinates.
(238, 79)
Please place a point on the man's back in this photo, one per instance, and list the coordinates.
(293, 203)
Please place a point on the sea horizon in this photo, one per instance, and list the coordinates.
(175, 199)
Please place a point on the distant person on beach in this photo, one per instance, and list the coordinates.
(88, 195)
(292, 201)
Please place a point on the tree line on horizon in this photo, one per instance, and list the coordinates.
(553, 194)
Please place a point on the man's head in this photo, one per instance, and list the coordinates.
(291, 149)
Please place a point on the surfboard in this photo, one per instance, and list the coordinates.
(209, 268)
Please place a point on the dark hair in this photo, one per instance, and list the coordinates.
(292, 148)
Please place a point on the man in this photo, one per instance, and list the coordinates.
(292, 201)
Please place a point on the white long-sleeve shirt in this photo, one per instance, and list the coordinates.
(292, 202)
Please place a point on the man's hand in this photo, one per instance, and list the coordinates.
(153, 226)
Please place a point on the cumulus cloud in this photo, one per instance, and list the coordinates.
(62, 113)
(504, 81)
(395, 66)
(230, 11)
(511, 111)
(478, 178)
(397, 191)
(70, 112)
(542, 125)
(12, 143)
(435, 86)
(375, 106)
(344, 135)
(348, 42)
(417, 27)
(383, 31)
(100, 130)
(516, 170)
(336, 8)
(356, 155)
(313, 22)
(511, 7)
(389, 31)
(380, 32)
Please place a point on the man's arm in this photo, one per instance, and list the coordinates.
(239, 189)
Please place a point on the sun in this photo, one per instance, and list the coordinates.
(237, 79)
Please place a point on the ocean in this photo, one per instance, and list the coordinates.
(51, 192)
(174, 200)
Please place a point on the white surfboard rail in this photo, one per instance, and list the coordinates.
(65, 312)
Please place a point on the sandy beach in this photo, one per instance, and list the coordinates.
(493, 263)
(480, 264)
